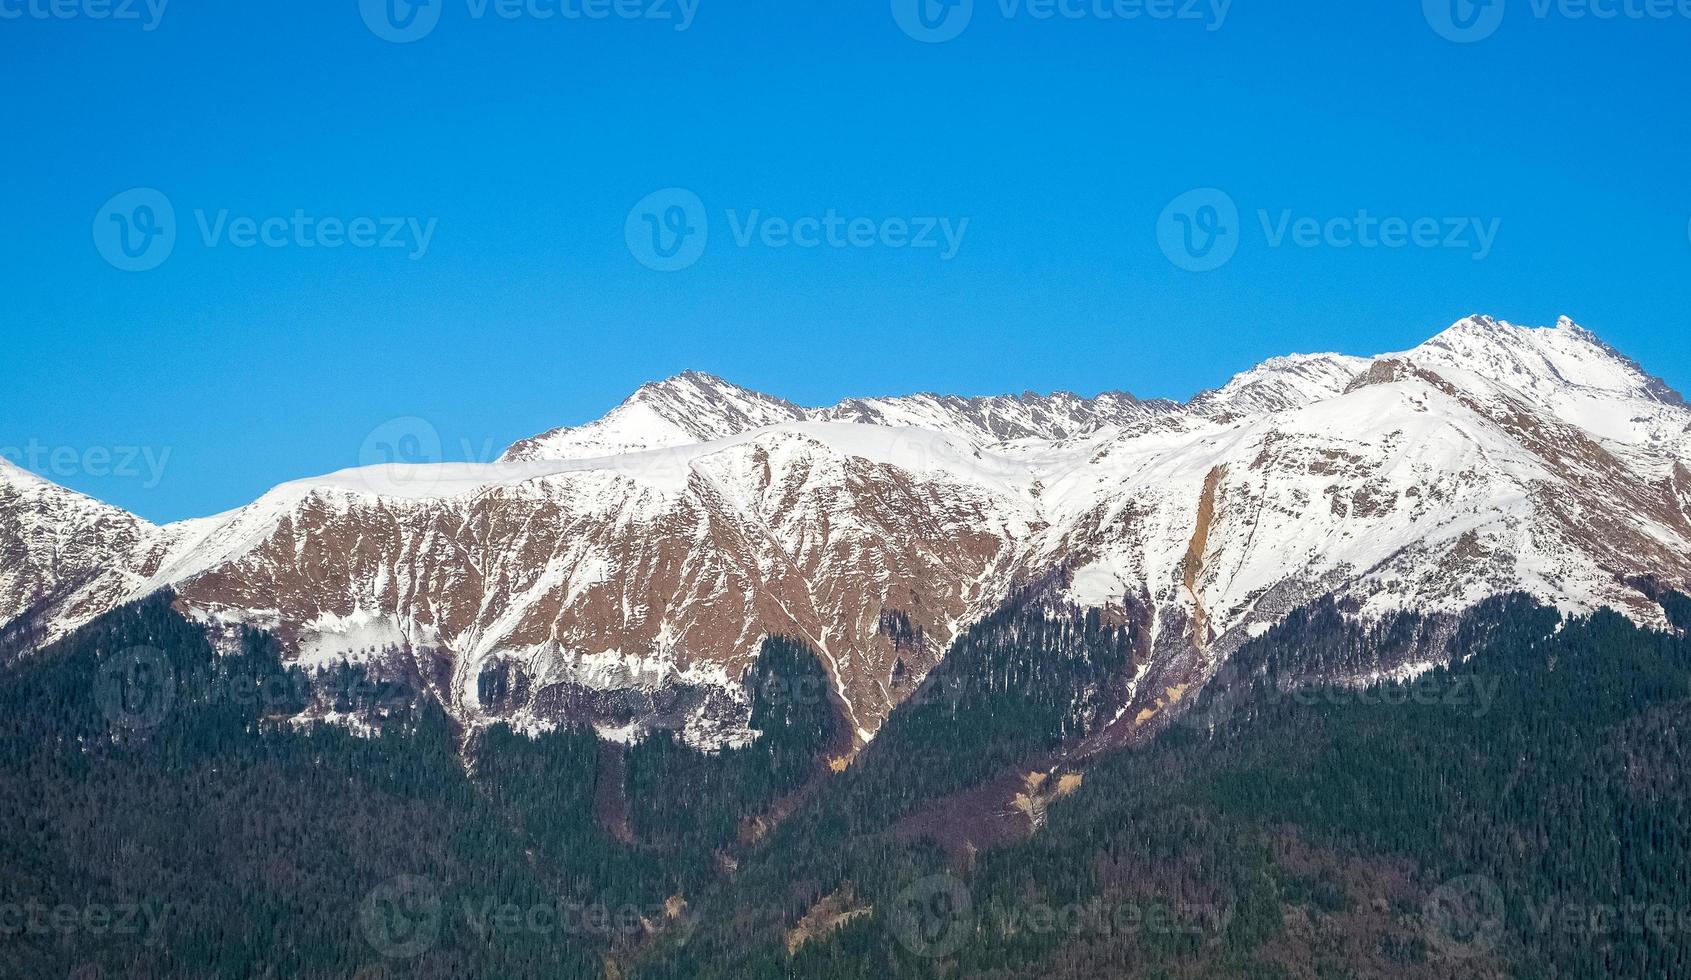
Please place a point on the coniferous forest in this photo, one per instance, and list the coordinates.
(1521, 812)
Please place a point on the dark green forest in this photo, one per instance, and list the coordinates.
(1519, 813)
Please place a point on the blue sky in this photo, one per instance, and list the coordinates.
(1552, 142)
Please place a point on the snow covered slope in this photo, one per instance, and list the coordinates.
(1281, 383)
(626, 570)
(62, 550)
(687, 408)
(695, 407)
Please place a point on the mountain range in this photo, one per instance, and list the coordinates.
(624, 573)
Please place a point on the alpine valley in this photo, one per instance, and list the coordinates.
(1352, 667)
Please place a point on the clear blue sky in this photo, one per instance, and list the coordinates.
(527, 141)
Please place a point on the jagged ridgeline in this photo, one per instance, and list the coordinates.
(624, 573)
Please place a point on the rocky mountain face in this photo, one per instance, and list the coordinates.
(624, 572)
(64, 558)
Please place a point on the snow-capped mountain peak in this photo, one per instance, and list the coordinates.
(694, 407)
(687, 408)
(1564, 371)
(669, 537)
(1540, 359)
(1282, 383)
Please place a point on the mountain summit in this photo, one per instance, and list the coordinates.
(688, 408)
(626, 570)
(694, 407)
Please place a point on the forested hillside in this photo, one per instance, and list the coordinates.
(156, 791)
(1520, 813)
